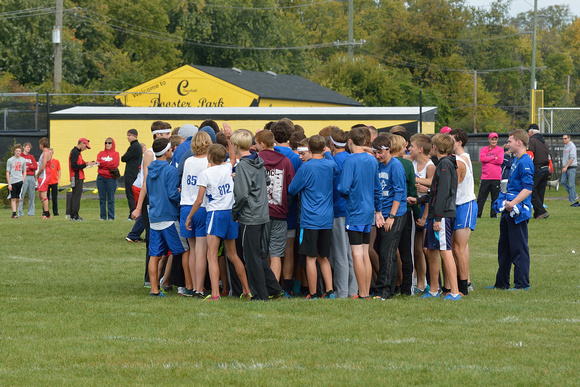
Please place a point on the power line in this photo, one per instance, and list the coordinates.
(260, 8)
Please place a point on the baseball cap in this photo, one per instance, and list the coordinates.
(82, 139)
(493, 134)
(133, 132)
(445, 129)
(209, 130)
(187, 130)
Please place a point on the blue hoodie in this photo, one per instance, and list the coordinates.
(163, 193)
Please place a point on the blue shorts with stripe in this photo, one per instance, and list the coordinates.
(466, 215)
(221, 224)
(439, 240)
(160, 241)
(198, 221)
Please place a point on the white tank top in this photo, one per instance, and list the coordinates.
(465, 189)
(139, 180)
(422, 174)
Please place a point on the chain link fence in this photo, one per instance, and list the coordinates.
(560, 120)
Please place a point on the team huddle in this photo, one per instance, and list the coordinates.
(335, 215)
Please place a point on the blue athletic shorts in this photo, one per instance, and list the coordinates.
(439, 240)
(160, 241)
(198, 229)
(221, 224)
(421, 214)
(466, 215)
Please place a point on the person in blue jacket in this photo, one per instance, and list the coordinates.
(164, 196)
(512, 248)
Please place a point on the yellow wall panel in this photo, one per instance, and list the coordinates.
(265, 102)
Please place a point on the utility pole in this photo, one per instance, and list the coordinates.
(350, 31)
(474, 101)
(533, 80)
(57, 40)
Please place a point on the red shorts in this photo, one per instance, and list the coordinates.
(43, 183)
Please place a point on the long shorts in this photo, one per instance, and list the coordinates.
(198, 228)
(221, 224)
(315, 242)
(16, 189)
(440, 240)
(466, 215)
(161, 241)
(277, 233)
(358, 235)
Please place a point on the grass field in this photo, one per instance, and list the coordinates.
(74, 312)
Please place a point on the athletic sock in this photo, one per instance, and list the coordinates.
(296, 288)
(463, 286)
(288, 286)
(434, 294)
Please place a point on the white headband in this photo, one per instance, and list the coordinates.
(161, 131)
(337, 143)
(161, 153)
(382, 147)
(302, 149)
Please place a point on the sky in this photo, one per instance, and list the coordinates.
(526, 5)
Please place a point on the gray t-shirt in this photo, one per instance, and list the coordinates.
(14, 167)
(570, 153)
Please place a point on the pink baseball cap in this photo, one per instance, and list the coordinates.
(445, 129)
(493, 134)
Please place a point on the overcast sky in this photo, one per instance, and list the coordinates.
(526, 5)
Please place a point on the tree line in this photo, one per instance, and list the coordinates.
(436, 46)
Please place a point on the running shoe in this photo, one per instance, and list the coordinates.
(188, 293)
(450, 297)
(247, 295)
(429, 295)
(329, 294)
(312, 296)
(211, 298)
(160, 294)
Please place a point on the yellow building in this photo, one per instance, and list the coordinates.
(98, 123)
(204, 86)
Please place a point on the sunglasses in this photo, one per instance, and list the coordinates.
(108, 142)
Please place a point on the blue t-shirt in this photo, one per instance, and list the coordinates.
(339, 200)
(179, 151)
(394, 187)
(521, 177)
(360, 185)
(314, 180)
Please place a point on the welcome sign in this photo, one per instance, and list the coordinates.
(186, 87)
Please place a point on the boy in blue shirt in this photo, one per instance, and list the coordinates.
(360, 185)
(164, 196)
(314, 180)
(513, 247)
(391, 220)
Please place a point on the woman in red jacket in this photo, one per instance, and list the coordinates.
(108, 160)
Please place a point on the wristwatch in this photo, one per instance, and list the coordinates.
(391, 216)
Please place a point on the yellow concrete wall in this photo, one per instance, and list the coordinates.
(64, 135)
(187, 87)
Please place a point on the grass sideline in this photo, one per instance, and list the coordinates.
(74, 312)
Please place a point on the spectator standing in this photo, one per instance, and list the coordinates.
(15, 174)
(29, 184)
(43, 176)
(570, 162)
(132, 157)
(539, 148)
(108, 160)
(491, 157)
(53, 184)
(77, 176)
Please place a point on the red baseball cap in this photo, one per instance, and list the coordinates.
(82, 139)
(493, 134)
(445, 129)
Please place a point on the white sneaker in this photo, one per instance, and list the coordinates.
(181, 290)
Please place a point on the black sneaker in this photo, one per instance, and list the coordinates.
(329, 294)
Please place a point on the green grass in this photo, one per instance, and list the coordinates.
(73, 312)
